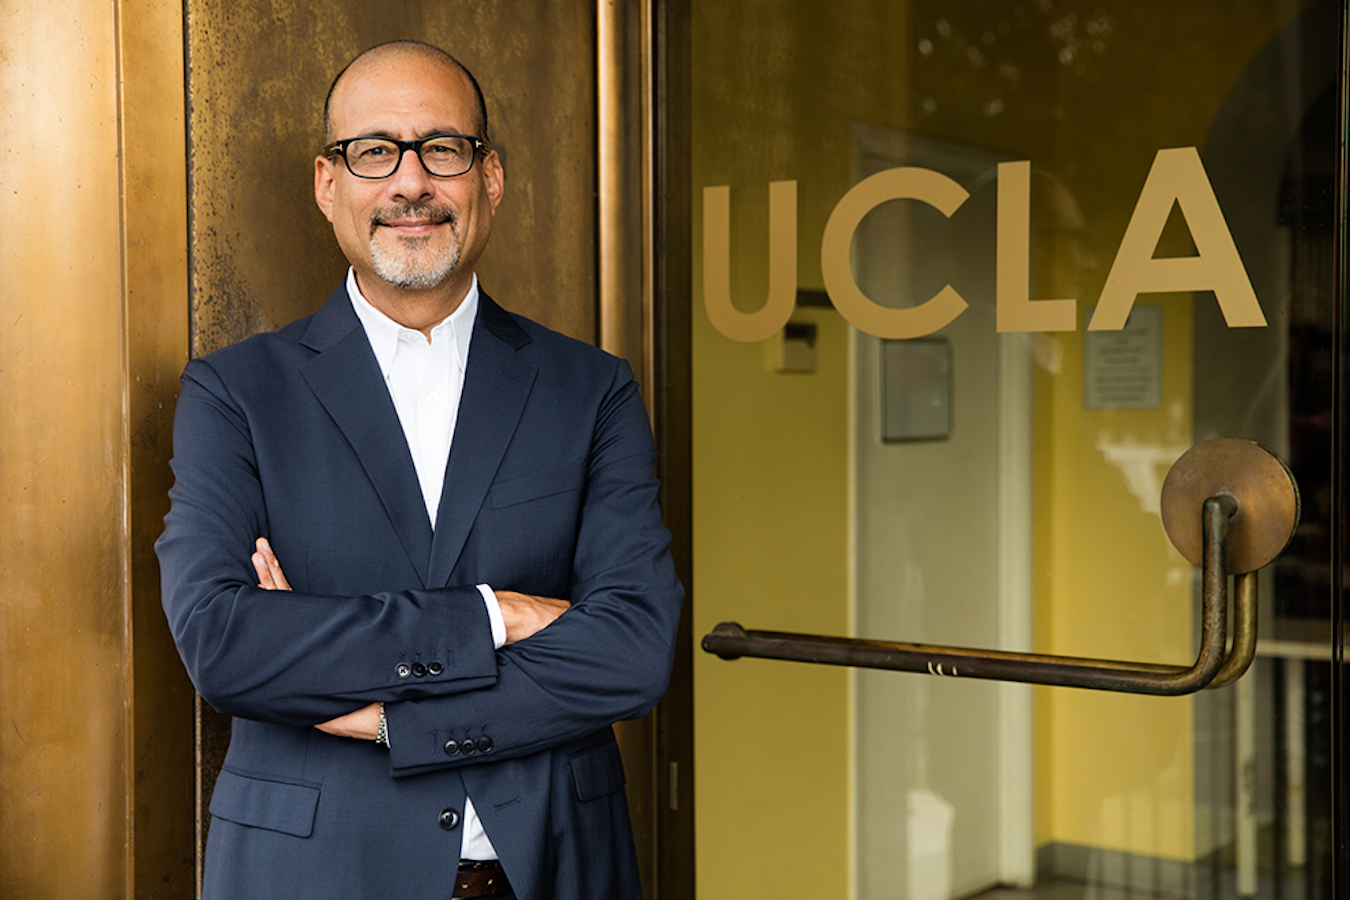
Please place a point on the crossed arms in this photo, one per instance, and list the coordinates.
(311, 658)
(522, 614)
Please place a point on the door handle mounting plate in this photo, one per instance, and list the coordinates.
(1268, 502)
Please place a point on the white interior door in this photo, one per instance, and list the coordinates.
(941, 538)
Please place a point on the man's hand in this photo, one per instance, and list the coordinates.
(364, 723)
(525, 614)
(270, 576)
(522, 614)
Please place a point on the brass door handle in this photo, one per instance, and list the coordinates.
(1229, 506)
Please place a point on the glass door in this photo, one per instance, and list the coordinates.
(968, 279)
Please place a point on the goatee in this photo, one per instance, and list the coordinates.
(411, 264)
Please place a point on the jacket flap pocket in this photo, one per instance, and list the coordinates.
(597, 772)
(537, 485)
(274, 805)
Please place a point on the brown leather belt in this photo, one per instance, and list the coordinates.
(480, 878)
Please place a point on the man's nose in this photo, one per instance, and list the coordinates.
(411, 180)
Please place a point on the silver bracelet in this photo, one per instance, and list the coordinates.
(382, 733)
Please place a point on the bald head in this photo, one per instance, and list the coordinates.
(381, 54)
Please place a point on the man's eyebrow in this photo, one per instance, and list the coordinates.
(377, 133)
(421, 135)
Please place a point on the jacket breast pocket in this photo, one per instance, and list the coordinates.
(283, 806)
(597, 772)
(539, 485)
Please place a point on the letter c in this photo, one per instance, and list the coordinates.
(906, 183)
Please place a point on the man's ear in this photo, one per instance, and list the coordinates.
(324, 180)
(495, 178)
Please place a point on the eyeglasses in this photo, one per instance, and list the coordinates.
(442, 155)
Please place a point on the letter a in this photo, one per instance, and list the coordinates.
(1177, 176)
(764, 323)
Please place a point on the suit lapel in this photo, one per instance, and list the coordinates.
(346, 379)
(497, 383)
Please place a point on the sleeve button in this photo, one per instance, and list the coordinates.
(419, 670)
(468, 747)
(485, 744)
(435, 668)
(451, 748)
(402, 670)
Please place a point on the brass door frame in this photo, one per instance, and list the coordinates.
(1340, 547)
(668, 218)
(643, 190)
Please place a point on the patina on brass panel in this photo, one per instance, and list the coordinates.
(262, 254)
(93, 331)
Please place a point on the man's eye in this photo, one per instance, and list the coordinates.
(444, 149)
(372, 151)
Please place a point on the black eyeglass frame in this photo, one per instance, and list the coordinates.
(339, 148)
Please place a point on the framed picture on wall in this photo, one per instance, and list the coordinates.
(916, 390)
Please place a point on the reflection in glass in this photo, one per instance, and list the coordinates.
(1027, 517)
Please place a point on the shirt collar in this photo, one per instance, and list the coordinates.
(383, 332)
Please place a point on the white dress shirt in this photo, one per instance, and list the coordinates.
(425, 377)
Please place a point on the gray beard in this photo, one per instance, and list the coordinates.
(410, 266)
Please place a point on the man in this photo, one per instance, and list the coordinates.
(414, 548)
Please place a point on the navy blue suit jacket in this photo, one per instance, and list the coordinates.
(549, 490)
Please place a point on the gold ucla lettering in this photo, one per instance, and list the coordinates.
(1016, 311)
(924, 185)
(1176, 177)
(775, 312)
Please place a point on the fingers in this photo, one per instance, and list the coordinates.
(260, 567)
(525, 615)
(265, 564)
(362, 724)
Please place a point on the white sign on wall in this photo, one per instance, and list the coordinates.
(1123, 369)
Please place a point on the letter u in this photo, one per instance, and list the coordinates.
(755, 326)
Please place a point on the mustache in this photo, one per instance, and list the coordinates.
(429, 211)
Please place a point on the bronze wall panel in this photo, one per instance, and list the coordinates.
(262, 254)
(94, 332)
(63, 678)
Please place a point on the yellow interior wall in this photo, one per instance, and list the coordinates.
(1114, 771)
(772, 743)
(1117, 771)
(777, 88)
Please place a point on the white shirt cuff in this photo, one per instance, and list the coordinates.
(494, 611)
